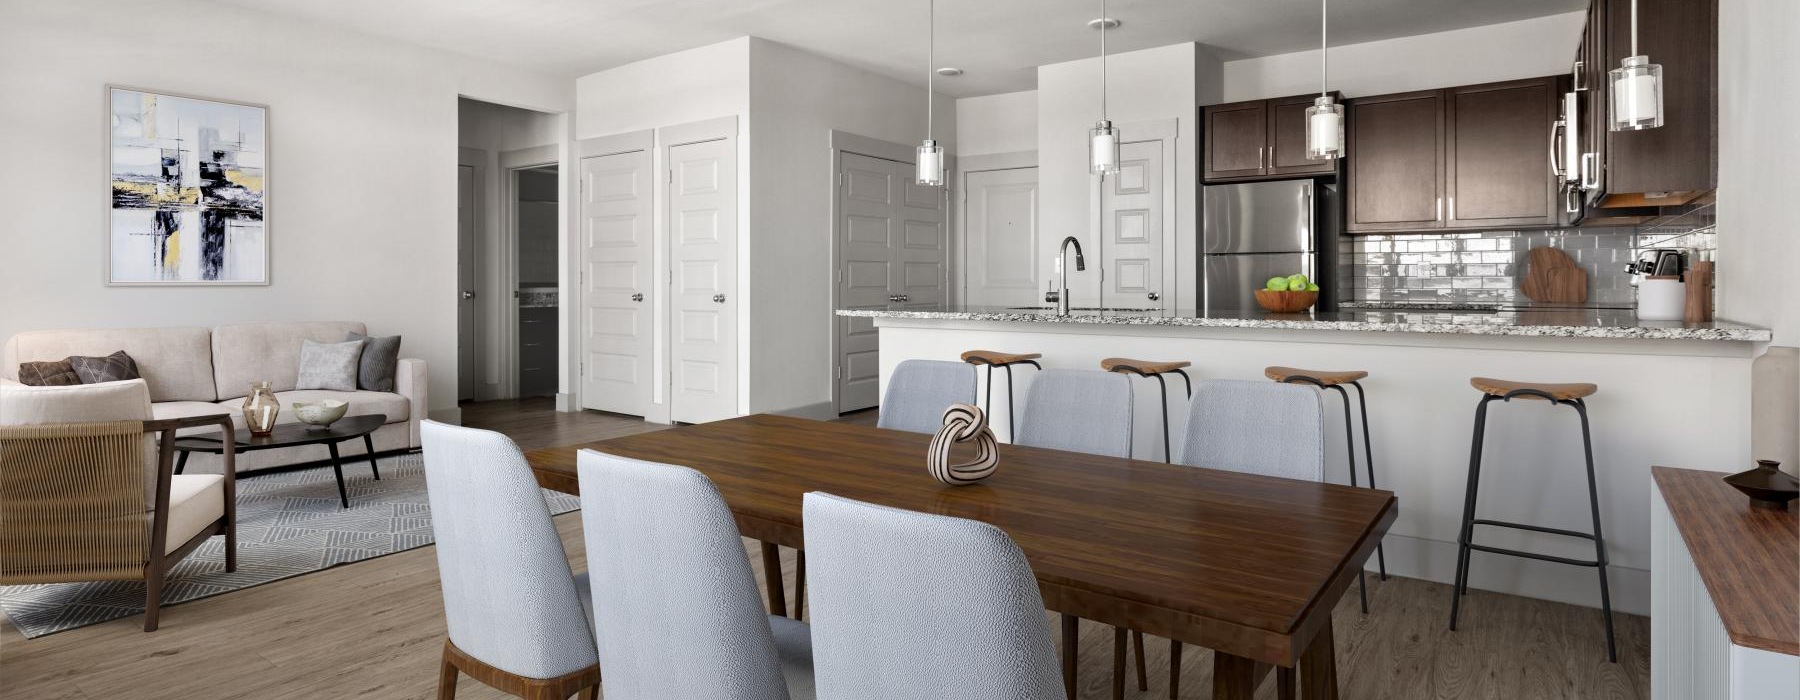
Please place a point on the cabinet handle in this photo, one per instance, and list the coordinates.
(1557, 134)
(1572, 199)
(1587, 171)
(1262, 157)
(1452, 207)
(1580, 70)
(1440, 210)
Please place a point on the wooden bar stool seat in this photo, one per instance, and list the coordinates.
(1504, 389)
(1572, 395)
(1002, 360)
(1283, 374)
(1142, 367)
(1336, 381)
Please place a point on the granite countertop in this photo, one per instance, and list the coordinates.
(1543, 323)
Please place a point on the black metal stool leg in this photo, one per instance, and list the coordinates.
(1587, 443)
(1185, 379)
(1362, 578)
(1459, 586)
(1011, 406)
(1369, 464)
(1168, 457)
(990, 394)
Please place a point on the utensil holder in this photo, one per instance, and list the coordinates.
(1661, 299)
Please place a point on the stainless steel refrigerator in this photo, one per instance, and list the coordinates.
(1257, 230)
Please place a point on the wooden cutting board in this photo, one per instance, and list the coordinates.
(1551, 276)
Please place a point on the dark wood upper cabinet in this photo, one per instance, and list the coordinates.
(1236, 140)
(1395, 162)
(1260, 139)
(1677, 162)
(1497, 162)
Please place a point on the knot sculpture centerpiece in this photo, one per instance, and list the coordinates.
(963, 423)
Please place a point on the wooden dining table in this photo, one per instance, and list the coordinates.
(1248, 566)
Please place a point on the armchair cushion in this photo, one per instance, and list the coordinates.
(84, 403)
(195, 501)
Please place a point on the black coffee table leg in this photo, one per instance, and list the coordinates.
(338, 467)
(369, 447)
(181, 461)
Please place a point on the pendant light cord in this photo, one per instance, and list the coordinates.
(1324, 76)
(1634, 50)
(930, 64)
(1103, 23)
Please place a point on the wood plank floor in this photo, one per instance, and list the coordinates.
(374, 629)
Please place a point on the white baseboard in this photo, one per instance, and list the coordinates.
(565, 403)
(452, 416)
(1435, 560)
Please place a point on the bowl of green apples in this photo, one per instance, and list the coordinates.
(1288, 295)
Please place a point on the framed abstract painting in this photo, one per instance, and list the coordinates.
(187, 188)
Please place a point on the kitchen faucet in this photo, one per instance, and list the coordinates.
(1062, 273)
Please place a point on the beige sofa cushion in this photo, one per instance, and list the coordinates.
(176, 363)
(84, 403)
(195, 501)
(246, 353)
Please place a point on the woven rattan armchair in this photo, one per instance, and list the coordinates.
(76, 503)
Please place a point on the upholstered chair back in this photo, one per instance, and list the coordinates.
(509, 597)
(909, 605)
(1080, 411)
(919, 390)
(1258, 427)
(674, 599)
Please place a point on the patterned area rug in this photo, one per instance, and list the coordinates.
(289, 524)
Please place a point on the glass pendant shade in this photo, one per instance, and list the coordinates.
(1325, 129)
(931, 163)
(1103, 148)
(1637, 100)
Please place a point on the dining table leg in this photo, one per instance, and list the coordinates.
(1071, 637)
(1234, 677)
(1318, 667)
(1118, 677)
(771, 555)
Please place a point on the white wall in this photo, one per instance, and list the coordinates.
(362, 185)
(796, 100)
(1004, 123)
(1759, 243)
(494, 129)
(1152, 84)
(1524, 49)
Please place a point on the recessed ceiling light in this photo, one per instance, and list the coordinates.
(949, 72)
(1108, 22)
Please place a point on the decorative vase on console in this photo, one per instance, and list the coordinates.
(260, 409)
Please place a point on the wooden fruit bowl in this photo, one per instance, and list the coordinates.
(1286, 302)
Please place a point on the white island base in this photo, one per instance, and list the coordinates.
(1661, 401)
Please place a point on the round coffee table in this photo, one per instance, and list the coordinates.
(294, 435)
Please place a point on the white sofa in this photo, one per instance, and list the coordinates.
(198, 371)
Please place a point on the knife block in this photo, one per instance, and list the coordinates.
(1699, 307)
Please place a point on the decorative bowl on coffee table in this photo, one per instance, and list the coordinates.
(320, 414)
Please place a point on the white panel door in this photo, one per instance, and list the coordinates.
(1131, 243)
(892, 252)
(1000, 247)
(618, 283)
(703, 276)
(466, 319)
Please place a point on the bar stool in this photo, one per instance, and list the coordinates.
(1571, 395)
(1003, 360)
(1155, 370)
(1336, 381)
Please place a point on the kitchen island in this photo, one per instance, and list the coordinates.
(1670, 393)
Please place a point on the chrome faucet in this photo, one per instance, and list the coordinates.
(1061, 296)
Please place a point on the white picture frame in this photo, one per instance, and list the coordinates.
(187, 187)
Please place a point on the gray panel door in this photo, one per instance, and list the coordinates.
(892, 252)
(1131, 243)
(1001, 243)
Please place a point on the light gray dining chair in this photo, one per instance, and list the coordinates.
(1079, 411)
(919, 390)
(910, 605)
(514, 609)
(1255, 427)
(678, 609)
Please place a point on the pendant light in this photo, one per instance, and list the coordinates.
(1325, 119)
(1103, 139)
(1636, 102)
(931, 155)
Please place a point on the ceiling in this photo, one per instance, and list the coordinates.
(997, 42)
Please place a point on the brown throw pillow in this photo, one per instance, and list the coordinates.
(116, 367)
(58, 373)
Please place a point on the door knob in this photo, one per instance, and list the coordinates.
(894, 298)
(468, 294)
(718, 298)
(638, 296)
(905, 297)
(1154, 296)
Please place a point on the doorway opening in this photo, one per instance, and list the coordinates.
(535, 242)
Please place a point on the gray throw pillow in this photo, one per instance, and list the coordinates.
(57, 373)
(116, 367)
(380, 362)
(329, 365)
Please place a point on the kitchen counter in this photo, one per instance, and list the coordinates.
(1531, 322)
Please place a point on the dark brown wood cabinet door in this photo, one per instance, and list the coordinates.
(1681, 155)
(1395, 162)
(1497, 165)
(1236, 140)
(1287, 139)
(1593, 90)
